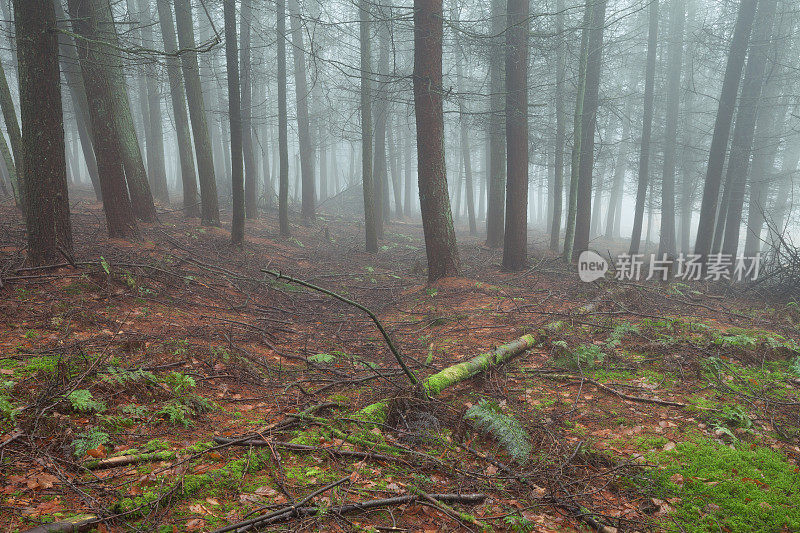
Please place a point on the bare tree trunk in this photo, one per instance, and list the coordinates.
(495, 216)
(667, 242)
(561, 126)
(577, 137)
(178, 96)
(722, 125)
(250, 169)
(308, 208)
(408, 180)
(618, 187)
(108, 150)
(283, 138)
(370, 211)
(647, 128)
(394, 160)
(515, 247)
(235, 112)
(47, 221)
(742, 144)
(209, 208)
(437, 219)
(14, 137)
(594, 64)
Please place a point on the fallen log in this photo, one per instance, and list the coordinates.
(83, 522)
(125, 460)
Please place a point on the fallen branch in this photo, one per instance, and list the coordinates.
(395, 351)
(299, 511)
(331, 450)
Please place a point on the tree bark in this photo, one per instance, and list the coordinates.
(302, 93)
(437, 219)
(209, 208)
(722, 125)
(647, 128)
(618, 186)
(46, 197)
(14, 137)
(178, 96)
(515, 247)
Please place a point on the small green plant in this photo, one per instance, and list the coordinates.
(121, 376)
(518, 523)
(89, 440)
(487, 416)
(179, 383)
(584, 357)
(176, 413)
(82, 400)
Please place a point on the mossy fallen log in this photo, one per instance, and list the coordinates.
(83, 522)
(124, 460)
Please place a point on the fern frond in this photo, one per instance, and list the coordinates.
(487, 417)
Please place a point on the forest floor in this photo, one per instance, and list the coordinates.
(648, 406)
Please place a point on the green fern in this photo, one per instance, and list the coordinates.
(82, 400)
(489, 418)
(89, 440)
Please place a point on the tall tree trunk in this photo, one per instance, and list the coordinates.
(722, 125)
(155, 135)
(495, 216)
(72, 75)
(178, 97)
(594, 64)
(437, 219)
(370, 211)
(209, 206)
(408, 179)
(235, 112)
(302, 93)
(577, 137)
(618, 186)
(742, 144)
(465, 149)
(667, 242)
(250, 169)
(647, 128)
(561, 126)
(283, 138)
(515, 247)
(108, 150)
(47, 220)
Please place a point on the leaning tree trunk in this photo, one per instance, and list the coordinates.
(495, 217)
(647, 128)
(235, 113)
(515, 247)
(46, 197)
(72, 75)
(437, 219)
(722, 126)
(594, 64)
(308, 209)
(178, 96)
(742, 144)
(194, 95)
(138, 187)
(108, 150)
(370, 214)
(14, 137)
